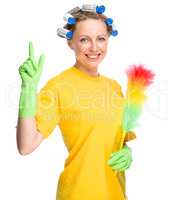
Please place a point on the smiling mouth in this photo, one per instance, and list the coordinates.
(93, 57)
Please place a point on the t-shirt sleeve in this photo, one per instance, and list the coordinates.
(118, 88)
(48, 111)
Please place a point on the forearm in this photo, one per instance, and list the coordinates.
(27, 135)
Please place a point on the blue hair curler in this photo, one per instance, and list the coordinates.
(69, 19)
(100, 9)
(114, 32)
(93, 8)
(62, 32)
(109, 21)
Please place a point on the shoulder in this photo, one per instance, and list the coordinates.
(115, 85)
(58, 79)
(113, 82)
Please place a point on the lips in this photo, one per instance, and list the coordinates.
(93, 56)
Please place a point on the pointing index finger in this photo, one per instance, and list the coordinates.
(31, 50)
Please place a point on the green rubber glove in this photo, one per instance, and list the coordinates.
(30, 72)
(121, 160)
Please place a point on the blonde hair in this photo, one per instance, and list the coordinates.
(80, 15)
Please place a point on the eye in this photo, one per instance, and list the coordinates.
(102, 39)
(83, 40)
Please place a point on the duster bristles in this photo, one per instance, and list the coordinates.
(138, 79)
(140, 75)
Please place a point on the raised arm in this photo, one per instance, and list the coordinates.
(28, 138)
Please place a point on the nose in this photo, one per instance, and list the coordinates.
(93, 46)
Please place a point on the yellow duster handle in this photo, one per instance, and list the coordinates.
(121, 145)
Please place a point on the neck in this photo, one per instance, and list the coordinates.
(91, 72)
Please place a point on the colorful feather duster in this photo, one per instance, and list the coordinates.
(139, 79)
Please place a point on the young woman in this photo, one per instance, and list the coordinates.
(87, 106)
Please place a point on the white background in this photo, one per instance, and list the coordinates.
(144, 38)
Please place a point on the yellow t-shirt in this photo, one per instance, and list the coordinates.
(88, 110)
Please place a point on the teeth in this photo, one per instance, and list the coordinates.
(93, 56)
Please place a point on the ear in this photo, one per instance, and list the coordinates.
(70, 44)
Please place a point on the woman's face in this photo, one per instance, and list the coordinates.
(89, 42)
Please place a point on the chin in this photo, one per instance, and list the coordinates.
(92, 64)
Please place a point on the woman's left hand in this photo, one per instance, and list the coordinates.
(121, 160)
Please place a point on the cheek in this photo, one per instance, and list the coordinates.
(84, 48)
(80, 52)
(104, 46)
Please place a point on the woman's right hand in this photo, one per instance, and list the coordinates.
(30, 71)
